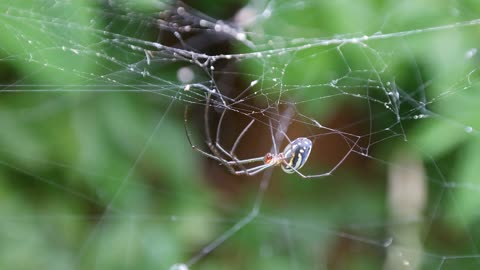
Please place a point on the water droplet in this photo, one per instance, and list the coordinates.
(179, 266)
(470, 53)
(181, 11)
(185, 74)
(267, 13)
(241, 36)
(203, 23)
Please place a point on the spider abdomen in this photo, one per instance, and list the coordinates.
(296, 154)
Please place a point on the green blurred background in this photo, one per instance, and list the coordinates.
(97, 172)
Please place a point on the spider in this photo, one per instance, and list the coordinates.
(293, 157)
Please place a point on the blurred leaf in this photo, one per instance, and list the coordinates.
(436, 138)
(465, 178)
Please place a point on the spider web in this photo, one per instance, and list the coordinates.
(97, 171)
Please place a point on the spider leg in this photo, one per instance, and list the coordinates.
(254, 170)
(218, 158)
(190, 139)
(208, 138)
(220, 147)
(246, 161)
(217, 138)
(237, 141)
(231, 153)
(275, 150)
(233, 162)
(216, 148)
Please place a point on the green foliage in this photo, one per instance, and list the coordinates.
(93, 179)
